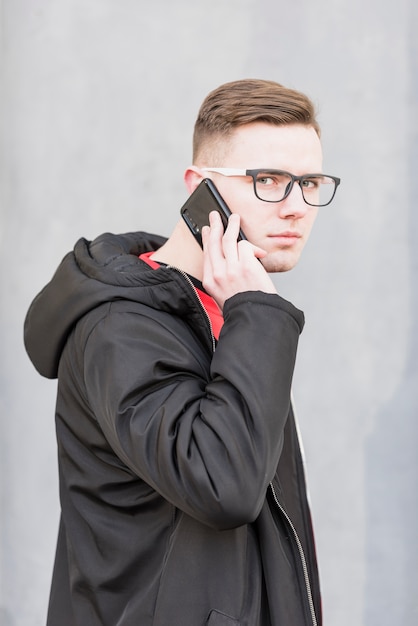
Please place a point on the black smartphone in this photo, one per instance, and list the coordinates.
(201, 202)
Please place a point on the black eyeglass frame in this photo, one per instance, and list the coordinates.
(227, 171)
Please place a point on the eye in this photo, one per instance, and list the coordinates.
(311, 183)
(266, 180)
(270, 179)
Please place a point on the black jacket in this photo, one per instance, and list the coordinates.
(181, 481)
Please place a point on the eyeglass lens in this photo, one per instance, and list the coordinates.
(273, 187)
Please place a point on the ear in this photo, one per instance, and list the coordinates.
(193, 176)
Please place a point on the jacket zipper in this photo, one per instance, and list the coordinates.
(301, 555)
(205, 313)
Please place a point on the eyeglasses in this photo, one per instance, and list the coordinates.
(276, 185)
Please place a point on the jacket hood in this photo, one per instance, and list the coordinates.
(104, 270)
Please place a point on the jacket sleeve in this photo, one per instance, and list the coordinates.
(204, 430)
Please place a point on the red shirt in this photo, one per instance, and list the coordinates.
(208, 303)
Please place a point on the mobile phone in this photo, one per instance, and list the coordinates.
(201, 202)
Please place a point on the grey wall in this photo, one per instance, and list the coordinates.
(98, 102)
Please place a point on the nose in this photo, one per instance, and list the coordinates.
(294, 205)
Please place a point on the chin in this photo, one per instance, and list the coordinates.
(274, 264)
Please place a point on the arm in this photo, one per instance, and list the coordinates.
(205, 432)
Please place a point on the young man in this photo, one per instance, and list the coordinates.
(181, 480)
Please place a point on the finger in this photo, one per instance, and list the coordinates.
(230, 238)
(205, 236)
(214, 237)
(245, 247)
(213, 232)
(212, 246)
(215, 222)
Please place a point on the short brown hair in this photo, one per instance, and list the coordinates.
(247, 101)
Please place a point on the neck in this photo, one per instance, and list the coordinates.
(182, 251)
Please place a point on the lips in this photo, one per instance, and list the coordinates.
(288, 236)
(291, 234)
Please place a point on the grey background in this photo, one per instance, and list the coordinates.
(98, 102)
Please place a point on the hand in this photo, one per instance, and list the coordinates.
(229, 266)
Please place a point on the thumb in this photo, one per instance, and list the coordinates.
(258, 252)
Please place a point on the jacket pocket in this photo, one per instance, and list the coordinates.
(216, 618)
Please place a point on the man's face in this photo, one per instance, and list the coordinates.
(280, 228)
